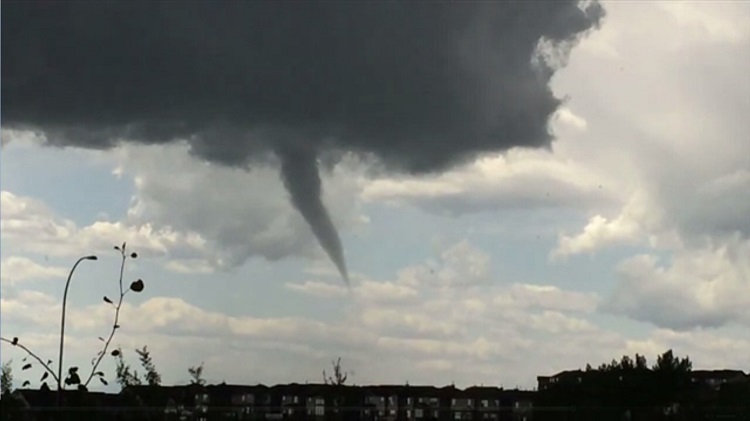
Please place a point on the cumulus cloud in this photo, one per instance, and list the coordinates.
(706, 287)
(685, 170)
(639, 223)
(238, 214)
(317, 288)
(517, 179)
(475, 332)
(202, 217)
(708, 349)
(33, 227)
(18, 269)
(494, 334)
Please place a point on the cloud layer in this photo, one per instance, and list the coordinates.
(419, 86)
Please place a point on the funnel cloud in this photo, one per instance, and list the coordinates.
(419, 86)
(299, 171)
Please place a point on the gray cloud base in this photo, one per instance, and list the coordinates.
(421, 86)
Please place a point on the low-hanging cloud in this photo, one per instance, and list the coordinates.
(419, 86)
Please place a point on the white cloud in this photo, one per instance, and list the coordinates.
(16, 269)
(35, 228)
(516, 179)
(460, 265)
(638, 220)
(706, 349)
(679, 146)
(237, 213)
(547, 297)
(728, 23)
(705, 287)
(568, 117)
(21, 138)
(318, 289)
(387, 333)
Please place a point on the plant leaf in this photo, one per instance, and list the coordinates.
(99, 373)
(44, 376)
(15, 341)
(137, 286)
(134, 255)
(26, 383)
(26, 367)
(115, 352)
(73, 378)
(104, 382)
(107, 300)
(72, 370)
(117, 247)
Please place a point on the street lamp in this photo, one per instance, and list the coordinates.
(62, 325)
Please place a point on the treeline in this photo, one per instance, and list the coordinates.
(631, 389)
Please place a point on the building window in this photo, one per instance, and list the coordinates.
(419, 413)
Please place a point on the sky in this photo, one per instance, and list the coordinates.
(627, 232)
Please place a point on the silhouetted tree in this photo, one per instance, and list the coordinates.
(124, 374)
(6, 378)
(627, 385)
(196, 375)
(672, 379)
(339, 377)
(640, 362)
(152, 377)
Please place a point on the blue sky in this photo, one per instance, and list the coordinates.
(631, 235)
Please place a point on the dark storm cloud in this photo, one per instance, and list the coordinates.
(418, 85)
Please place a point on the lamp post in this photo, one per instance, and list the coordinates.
(62, 326)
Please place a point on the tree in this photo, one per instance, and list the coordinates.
(6, 378)
(339, 377)
(196, 374)
(626, 364)
(126, 376)
(123, 373)
(668, 363)
(153, 378)
(640, 362)
(73, 377)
